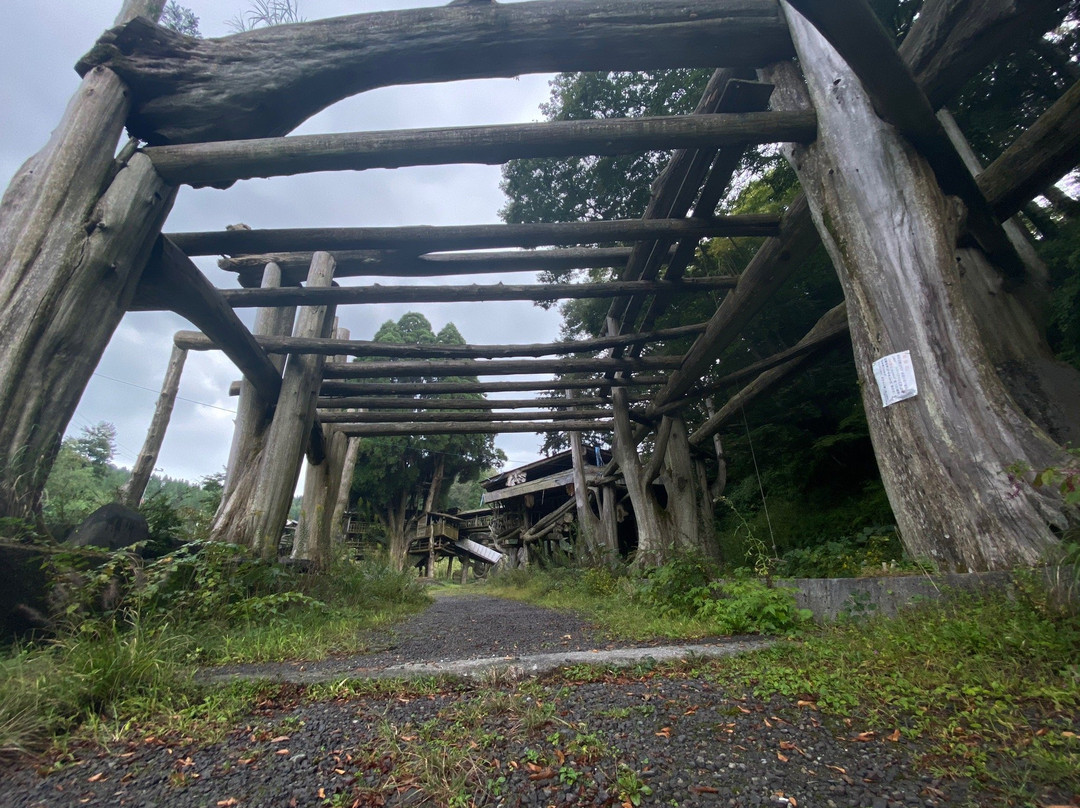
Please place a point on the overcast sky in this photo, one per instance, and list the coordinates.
(39, 44)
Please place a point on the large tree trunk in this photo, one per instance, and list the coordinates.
(74, 237)
(348, 466)
(892, 236)
(314, 529)
(589, 541)
(398, 530)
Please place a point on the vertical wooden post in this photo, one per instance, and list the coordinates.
(588, 523)
(249, 433)
(449, 568)
(286, 439)
(348, 466)
(431, 550)
(464, 572)
(132, 491)
(75, 234)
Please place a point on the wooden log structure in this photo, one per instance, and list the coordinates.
(222, 163)
(427, 238)
(196, 341)
(265, 82)
(355, 295)
(487, 428)
(406, 403)
(131, 492)
(376, 263)
(494, 367)
(436, 417)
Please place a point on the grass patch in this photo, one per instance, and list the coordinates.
(988, 688)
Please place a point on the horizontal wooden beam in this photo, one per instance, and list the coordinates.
(490, 428)
(265, 82)
(1045, 152)
(410, 403)
(432, 417)
(171, 282)
(224, 162)
(437, 388)
(494, 367)
(196, 341)
(376, 263)
(422, 238)
(362, 295)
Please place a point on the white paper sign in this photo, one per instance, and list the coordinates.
(895, 378)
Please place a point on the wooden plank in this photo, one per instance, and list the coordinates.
(362, 295)
(196, 341)
(373, 263)
(557, 480)
(408, 403)
(172, 282)
(265, 82)
(494, 367)
(488, 428)
(426, 238)
(224, 162)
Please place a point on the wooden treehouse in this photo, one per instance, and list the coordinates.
(444, 535)
(919, 234)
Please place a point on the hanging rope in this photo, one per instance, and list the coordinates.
(761, 488)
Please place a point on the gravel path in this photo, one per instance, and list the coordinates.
(559, 740)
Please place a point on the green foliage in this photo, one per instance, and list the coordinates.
(872, 551)
(180, 18)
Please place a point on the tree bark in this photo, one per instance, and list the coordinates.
(132, 491)
(892, 236)
(322, 482)
(589, 530)
(348, 466)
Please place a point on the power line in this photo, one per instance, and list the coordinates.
(152, 390)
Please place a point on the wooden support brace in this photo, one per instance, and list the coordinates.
(494, 367)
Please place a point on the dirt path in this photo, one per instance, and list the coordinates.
(467, 634)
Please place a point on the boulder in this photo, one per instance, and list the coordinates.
(111, 526)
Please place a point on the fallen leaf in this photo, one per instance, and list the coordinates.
(408, 738)
(1067, 734)
(533, 767)
(246, 761)
(227, 803)
(560, 756)
(781, 757)
(691, 710)
(543, 774)
(895, 737)
(664, 733)
(282, 752)
(865, 736)
(704, 790)
(339, 771)
(838, 769)
(322, 793)
(279, 739)
(97, 778)
(803, 703)
(788, 746)
(743, 709)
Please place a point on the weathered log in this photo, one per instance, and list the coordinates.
(857, 34)
(892, 235)
(494, 367)
(359, 295)
(403, 403)
(173, 283)
(547, 523)
(286, 439)
(348, 466)
(431, 388)
(488, 428)
(265, 82)
(132, 491)
(952, 40)
(1045, 152)
(195, 341)
(224, 162)
(314, 529)
(436, 417)
(352, 263)
(426, 238)
(590, 537)
(831, 326)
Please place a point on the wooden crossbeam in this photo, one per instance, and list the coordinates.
(224, 162)
(433, 417)
(423, 238)
(489, 428)
(352, 263)
(332, 388)
(172, 282)
(265, 82)
(409, 403)
(196, 341)
(360, 295)
(495, 367)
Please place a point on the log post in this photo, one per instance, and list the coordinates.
(944, 454)
(76, 228)
(287, 436)
(589, 529)
(321, 485)
(348, 466)
(249, 433)
(131, 492)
